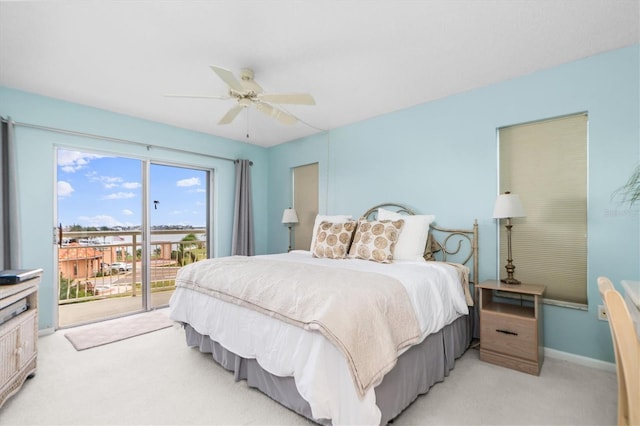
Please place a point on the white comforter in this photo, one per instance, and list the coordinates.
(320, 371)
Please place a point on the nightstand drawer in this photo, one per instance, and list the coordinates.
(511, 335)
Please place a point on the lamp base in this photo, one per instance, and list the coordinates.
(510, 281)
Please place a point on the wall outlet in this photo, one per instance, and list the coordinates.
(602, 313)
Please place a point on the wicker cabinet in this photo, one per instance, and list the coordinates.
(18, 338)
(511, 325)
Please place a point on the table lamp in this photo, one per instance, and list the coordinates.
(289, 217)
(507, 206)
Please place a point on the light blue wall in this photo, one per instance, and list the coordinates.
(282, 159)
(438, 158)
(37, 163)
(441, 158)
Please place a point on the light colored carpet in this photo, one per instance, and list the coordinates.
(155, 379)
(118, 329)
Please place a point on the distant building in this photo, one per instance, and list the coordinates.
(77, 261)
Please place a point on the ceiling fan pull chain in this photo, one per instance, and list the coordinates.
(247, 123)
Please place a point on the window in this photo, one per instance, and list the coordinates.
(305, 201)
(545, 163)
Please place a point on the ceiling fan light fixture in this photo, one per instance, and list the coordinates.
(247, 92)
(246, 74)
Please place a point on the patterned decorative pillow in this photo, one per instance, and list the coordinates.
(336, 218)
(376, 240)
(333, 239)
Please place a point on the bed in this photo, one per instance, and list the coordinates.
(345, 333)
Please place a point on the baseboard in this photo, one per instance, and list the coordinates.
(579, 359)
(46, 332)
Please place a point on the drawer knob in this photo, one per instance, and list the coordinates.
(512, 333)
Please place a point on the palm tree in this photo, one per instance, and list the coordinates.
(186, 248)
(630, 191)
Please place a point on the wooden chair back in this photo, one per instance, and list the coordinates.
(627, 349)
(604, 285)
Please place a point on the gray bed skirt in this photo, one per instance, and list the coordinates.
(417, 370)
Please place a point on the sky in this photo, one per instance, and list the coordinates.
(97, 190)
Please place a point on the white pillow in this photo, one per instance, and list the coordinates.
(413, 237)
(341, 218)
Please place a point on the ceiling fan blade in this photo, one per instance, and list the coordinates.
(228, 77)
(231, 114)
(197, 96)
(281, 116)
(288, 98)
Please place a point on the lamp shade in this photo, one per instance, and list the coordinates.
(289, 216)
(508, 205)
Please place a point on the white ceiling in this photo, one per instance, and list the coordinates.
(359, 59)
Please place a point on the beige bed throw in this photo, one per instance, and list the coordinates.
(367, 315)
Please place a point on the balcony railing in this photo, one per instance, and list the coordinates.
(107, 264)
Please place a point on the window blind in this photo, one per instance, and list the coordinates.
(545, 163)
(305, 201)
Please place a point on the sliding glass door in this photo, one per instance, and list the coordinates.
(178, 225)
(125, 226)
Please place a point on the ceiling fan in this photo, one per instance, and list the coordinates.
(247, 92)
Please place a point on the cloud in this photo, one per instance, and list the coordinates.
(188, 182)
(107, 182)
(119, 196)
(127, 212)
(99, 220)
(64, 189)
(72, 161)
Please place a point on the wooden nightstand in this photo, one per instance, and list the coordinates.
(511, 325)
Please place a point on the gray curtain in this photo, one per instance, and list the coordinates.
(242, 243)
(9, 232)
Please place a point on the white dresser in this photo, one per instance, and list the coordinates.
(18, 337)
